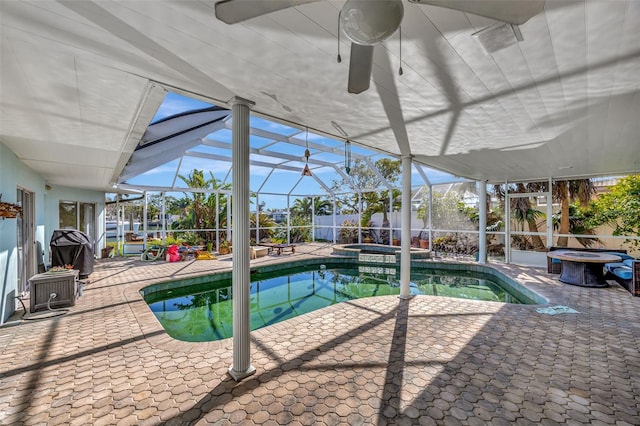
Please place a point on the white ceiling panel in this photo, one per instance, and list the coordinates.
(563, 102)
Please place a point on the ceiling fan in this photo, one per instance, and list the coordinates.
(369, 22)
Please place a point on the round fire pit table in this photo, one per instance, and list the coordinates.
(585, 269)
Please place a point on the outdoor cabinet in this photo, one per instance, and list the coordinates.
(64, 284)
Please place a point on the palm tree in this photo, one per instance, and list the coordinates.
(302, 207)
(565, 192)
(323, 207)
(578, 224)
(522, 209)
(266, 225)
(203, 211)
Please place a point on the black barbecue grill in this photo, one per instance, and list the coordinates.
(72, 247)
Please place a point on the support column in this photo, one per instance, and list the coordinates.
(431, 218)
(164, 219)
(549, 199)
(145, 223)
(241, 368)
(313, 219)
(229, 204)
(257, 219)
(359, 217)
(334, 219)
(405, 226)
(482, 225)
(391, 231)
(288, 219)
(218, 220)
(118, 249)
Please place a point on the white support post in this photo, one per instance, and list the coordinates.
(257, 219)
(229, 208)
(313, 219)
(482, 225)
(241, 368)
(118, 249)
(507, 223)
(390, 217)
(334, 219)
(359, 217)
(164, 219)
(430, 217)
(549, 197)
(405, 226)
(288, 219)
(145, 222)
(218, 220)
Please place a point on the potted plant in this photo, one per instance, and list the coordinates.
(367, 232)
(224, 247)
(423, 242)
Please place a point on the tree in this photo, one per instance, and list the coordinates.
(620, 208)
(523, 211)
(579, 223)
(302, 207)
(565, 192)
(266, 225)
(201, 212)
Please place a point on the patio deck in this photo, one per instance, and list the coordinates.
(427, 360)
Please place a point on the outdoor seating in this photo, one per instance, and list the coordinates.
(625, 273)
(259, 251)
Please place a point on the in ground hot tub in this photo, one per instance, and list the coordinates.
(377, 253)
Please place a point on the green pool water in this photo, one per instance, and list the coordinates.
(203, 312)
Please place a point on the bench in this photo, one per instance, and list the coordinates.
(259, 251)
(625, 273)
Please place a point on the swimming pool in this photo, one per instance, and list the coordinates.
(201, 310)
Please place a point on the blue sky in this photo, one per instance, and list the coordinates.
(264, 179)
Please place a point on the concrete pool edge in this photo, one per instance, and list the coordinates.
(157, 331)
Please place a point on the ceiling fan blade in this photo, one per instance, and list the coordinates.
(234, 11)
(510, 11)
(360, 65)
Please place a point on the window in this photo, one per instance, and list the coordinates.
(77, 215)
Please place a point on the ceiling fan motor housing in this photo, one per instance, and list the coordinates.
(369, 22)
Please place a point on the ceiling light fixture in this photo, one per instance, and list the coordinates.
(306, 171)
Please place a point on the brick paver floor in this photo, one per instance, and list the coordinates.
(383, 360)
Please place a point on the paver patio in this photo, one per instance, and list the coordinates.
(427, 360)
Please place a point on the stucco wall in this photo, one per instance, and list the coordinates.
(61, 193)
(15, 174)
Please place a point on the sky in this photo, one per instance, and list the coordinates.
(263, 179)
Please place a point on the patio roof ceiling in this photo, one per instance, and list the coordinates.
(80, 82)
